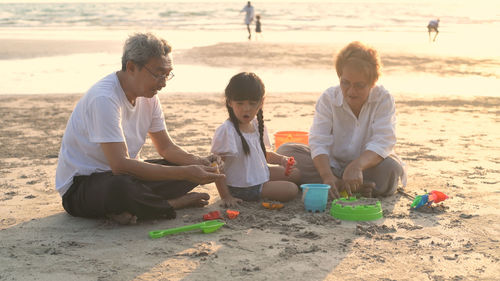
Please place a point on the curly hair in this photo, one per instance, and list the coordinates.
(364, 58)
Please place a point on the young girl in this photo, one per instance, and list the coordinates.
(242, 143)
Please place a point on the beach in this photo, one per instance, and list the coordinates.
(447, 98)
(447, 145)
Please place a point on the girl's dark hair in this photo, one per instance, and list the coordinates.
(246, 86)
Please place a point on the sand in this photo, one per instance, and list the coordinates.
(450, 145)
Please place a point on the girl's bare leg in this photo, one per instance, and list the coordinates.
(278, 174)
(279, 190)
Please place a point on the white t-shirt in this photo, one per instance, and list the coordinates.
(249, 14)
(433, 24)
(104, 115)
(241, 170)
(337, 132)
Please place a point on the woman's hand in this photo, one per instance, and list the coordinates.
(335, 187)
(230, 202)
(352, 178)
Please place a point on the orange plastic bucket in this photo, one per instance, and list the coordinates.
(290, 136)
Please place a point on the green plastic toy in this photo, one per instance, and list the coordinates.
(207, 227)
(353, 209)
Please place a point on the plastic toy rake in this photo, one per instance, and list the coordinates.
(206, 227)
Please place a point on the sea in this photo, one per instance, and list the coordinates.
(468, 29)
(406, 16)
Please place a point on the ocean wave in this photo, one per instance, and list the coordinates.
(390, 16)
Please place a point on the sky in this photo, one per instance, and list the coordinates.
(455, 2)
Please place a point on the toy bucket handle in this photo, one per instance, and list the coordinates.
(304, 192)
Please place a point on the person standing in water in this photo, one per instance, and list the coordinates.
(433, 26)
(258, 27)
(248, 9)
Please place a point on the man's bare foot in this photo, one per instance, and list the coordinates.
(123, 218)
(192, 199)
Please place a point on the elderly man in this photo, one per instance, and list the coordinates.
(100, 172)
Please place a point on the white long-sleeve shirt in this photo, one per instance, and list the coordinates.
(337, 132)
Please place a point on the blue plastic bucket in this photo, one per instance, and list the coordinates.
(315, 196)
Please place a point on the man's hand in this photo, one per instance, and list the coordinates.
(215, 161)
(202, 174)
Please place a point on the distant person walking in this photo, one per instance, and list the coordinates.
(258, 27)
(248, 9)
(433, 26)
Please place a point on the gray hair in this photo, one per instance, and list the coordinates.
(140, 47)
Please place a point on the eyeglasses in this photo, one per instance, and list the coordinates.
(357, 86)
(160, 77)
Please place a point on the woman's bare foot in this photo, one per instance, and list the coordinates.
(366, 189)
(123, 218)
(192, 199)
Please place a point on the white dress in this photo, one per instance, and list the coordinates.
(241, 170)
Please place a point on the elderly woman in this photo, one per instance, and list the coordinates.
(352, 138)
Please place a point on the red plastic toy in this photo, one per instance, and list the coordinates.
(427, 199)
(437, 196)
(232, 214)
(212, 216)
(289, 165)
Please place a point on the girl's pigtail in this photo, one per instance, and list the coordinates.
(236, 123)
(260, 118)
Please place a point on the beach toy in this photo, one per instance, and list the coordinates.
(214, 164)
(290, 136)
(231, 214)
(427, 199)
(206, 227)
(354, 209)
(315, 196)
(272, 205)
(344, 194)
(289, 165)
(212, 216)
